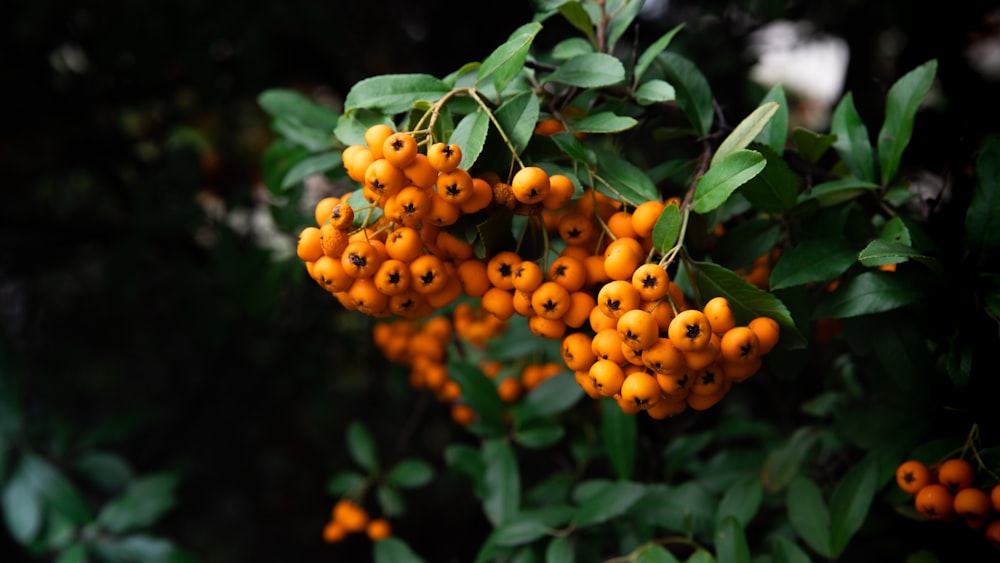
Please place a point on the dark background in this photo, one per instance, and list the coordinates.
(123, 329)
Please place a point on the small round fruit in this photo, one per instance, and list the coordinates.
(912, 475)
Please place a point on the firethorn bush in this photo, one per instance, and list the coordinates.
(668, 332)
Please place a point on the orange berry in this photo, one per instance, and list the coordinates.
(740, 345)
(378, 529)
(719, 314)
(935, 502)
(767, 331)
(375, 137)
(973, 506)
(644, 217)
(400, 149)
(444, 157)
(690, 330)
(956, 474)
(912, 475)
(530, 185)
(350, 515)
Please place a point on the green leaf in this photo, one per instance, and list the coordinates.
(623, 14)
(571, 47)
(411, 473)
(517, 117)
(812, 145)
(393, 93)
(650, 53)
(361, 446)
(552, 396)
(344, 483)
(722, 179)
(604, 122)
(572, 147)
(741, 501)
(22, 506)
(701, 555)
(731, 542)
(776, 188)
(786, 551)
(390, 501)
(746, 131)
(292, 104)
(76, 553)
(667, 228)
(590, 70)
(142, 503)
(560, 550)
(470, 134)
(808, 515)
(774, 134)
(57, 491)
(853, 144)
(539, 434)
(694, 95)
(850, 502)
(745, 242)
(837, 191)
(316, 164)
(652, 553)
(611, 501)
(867, 293)
(501, 482)
(394, 550)
(783, 463)
(812, 260)
(466, 460)
(357, 200)
(507, 60)
(522, 529)
(479, 393)
(107, 470)
(140, 547)
(655, 91)
(902, 102)
(982, 218)
(620, 432)
(577, 16)
(878, 253)
(625, 181)
(314, 140)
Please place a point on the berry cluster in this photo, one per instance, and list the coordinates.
(349, 517)
(601, 286)
(947, 492)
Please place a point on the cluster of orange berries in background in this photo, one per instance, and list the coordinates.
(947, 492)
(626, 328)
(349, 517)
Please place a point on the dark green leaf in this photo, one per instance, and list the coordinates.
(539, 434)
(283, 102)
(869, 292)
(502, 482)
(783, 464)
(786, 551)
(622, 17)
(390, 501)
(361, 446)
(577, 16)
(314, 140)
(741, 501)
(106, 470)
(345, 483)
(479, 392)
(853, 144)
(552, 396)
(624, 180)
(76, 553)
(590, 70)
(745, 242)
(731, 542)
(745, 132)
(394, 550)
(611, 501)
(837, 191)
(140, 547)
(655, 91)
(518, 116)
(701, 555)
(650, 53)
(507, 60)
(604, 122)
(808, 515)
(59, 493)
(775, 131)
(813, 260)
(879, 253)
(470, 134)
(722, 179)
(411, 473)
(694, 95)
(22, 507)
(279, 157)
(652, 553)
(523, 528)
(467, 461)
(142, 503)
(573, 148)
(393, 93)
(776, 188)
(902, 102)
(316, 164)
(850, 502)
(812, 145)
(982, 219)
(560, 550)
(667, 229)
(619, 431)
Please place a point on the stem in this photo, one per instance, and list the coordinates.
(503, 134)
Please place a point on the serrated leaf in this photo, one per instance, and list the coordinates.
(142, 503)
(879, 252)
(619, 431)
(624, 180)
(501, 482)
(808, 515)
(361, 446)
(507, 60)
(604, 122)
(731, 542)
(394, 550)
(667, 228)
(518, 116)
(867, 293)
(902, 102)
(411, 473)
(316, 164)
(746, 131)
(655, 91)
(724, 178)
(393, 93)
(611, 501)
(470, 134)
(694, 95)
(850, 502)
(590, 70)
(853, 144)
(812, 260)
(572, 147)
(650, 53)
